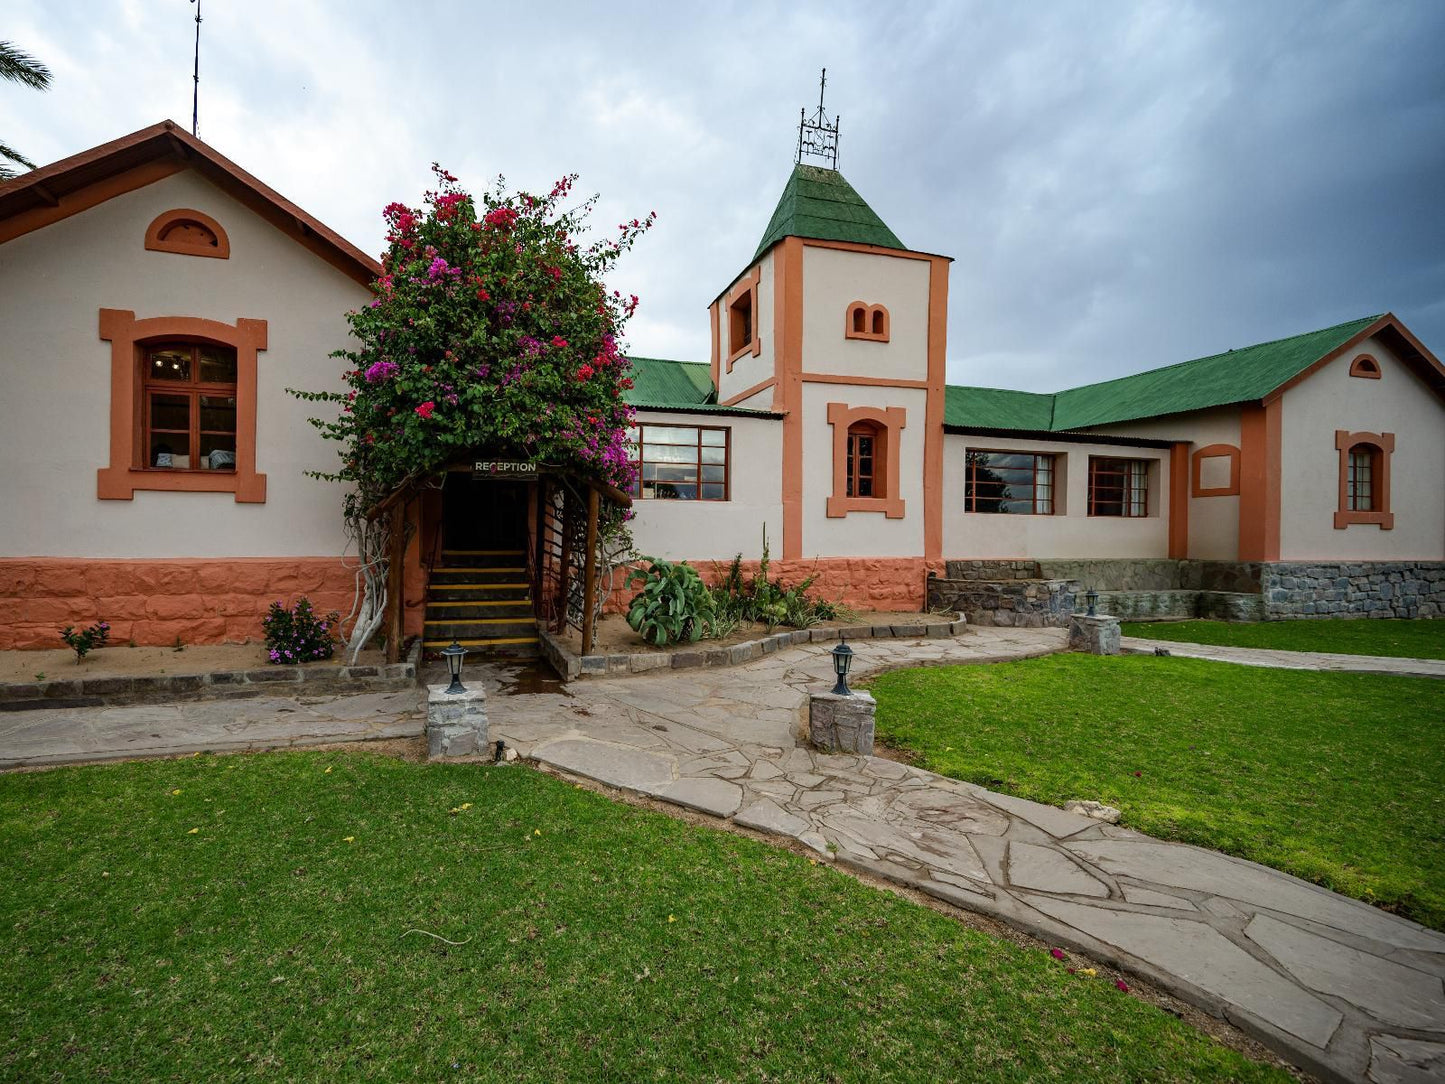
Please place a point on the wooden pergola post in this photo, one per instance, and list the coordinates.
(559, 622)
(589, 583)
(395, 578)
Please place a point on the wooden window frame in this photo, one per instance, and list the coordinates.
(1126, 504)
(970, 493)
(743, 299)
(889, 424)
(877, 469)
(1214, 451)
(727, 464)
(1382, 448)
(127, 471)
(193, 390)
(877, 323)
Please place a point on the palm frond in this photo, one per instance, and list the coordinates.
(7, 151)
(20, 67)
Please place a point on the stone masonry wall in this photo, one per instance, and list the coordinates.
(1354, 589)
(1021, 603)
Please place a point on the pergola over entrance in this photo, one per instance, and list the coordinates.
(564, 510)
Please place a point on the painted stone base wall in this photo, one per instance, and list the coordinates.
(863, 583)
(202, 601)
(1344, 589)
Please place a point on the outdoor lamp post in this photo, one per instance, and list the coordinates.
(842, 663)
(454, 653)
(1092, 598)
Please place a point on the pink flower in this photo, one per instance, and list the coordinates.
(1057, 954)
(426, 409)
(1122, 985)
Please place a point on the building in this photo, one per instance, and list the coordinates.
(174, 298)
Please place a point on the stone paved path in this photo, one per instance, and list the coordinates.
(1290, 660)
(1342, 989)
(73, 735)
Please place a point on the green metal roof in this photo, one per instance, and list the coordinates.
(1236, 376)
(820, 204)
(658, 384)
(994, 408)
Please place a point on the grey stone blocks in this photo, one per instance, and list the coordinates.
(456, 723)
(1096, 635)
(842, 724)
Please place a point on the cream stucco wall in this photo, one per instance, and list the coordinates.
(1398, 403)
(718, 530)
(748, 370)
(832, 279)
(55, 413)
(1070, 532)
(860, 534)
(1213, 521)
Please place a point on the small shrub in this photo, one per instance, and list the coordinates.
(767, 601)
(673, 605)
(82, 642)
(298, 634)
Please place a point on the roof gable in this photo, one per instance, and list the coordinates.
(48, 194)
(820, 204)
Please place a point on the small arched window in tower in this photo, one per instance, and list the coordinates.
(866, 321)
(865, 454)
(188, 233)
(1365, 366)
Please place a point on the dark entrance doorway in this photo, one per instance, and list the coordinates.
(480, 514)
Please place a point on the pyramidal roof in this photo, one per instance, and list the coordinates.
(821, 204)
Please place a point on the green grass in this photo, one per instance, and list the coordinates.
(1418, 639)
(1332, 777)
(232, 931)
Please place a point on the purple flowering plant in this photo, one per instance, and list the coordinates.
(297, 633)
(491, 329)
(82, 642)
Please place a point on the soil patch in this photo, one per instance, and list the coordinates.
(615, 637)
(60, 664)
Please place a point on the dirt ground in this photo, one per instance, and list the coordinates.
(614, 637)
(122, 661)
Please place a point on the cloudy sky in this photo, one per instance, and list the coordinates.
(1122, 185)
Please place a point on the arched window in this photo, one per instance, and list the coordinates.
(1364, 479)
(189, 391)
(188, 233)
(1365, 366)
(1359, 483)
(866, 321)
(865, 453)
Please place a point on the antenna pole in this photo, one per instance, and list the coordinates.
(196, 91)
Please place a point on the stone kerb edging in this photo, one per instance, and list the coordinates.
(87, 692)
(571, 666)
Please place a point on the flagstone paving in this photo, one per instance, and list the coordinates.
(1343, 989)
(1289, 660)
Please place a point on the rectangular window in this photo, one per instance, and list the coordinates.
(1118, 487)
(1009, 482)
(680, 462)
(740, 323)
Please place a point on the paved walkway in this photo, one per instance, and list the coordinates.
(74, 735)
(1343, 989)
(1290, 660)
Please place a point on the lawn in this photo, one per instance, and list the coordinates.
(1418, 639)
(225, 918)
(1332, 777)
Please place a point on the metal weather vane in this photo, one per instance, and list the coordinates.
(816, 137)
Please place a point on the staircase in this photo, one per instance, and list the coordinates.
(481, 599)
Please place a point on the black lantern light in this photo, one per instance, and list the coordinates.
(1092, 598)
(454, 653)
(842, 663)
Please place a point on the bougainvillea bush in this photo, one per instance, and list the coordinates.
(492, 329)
